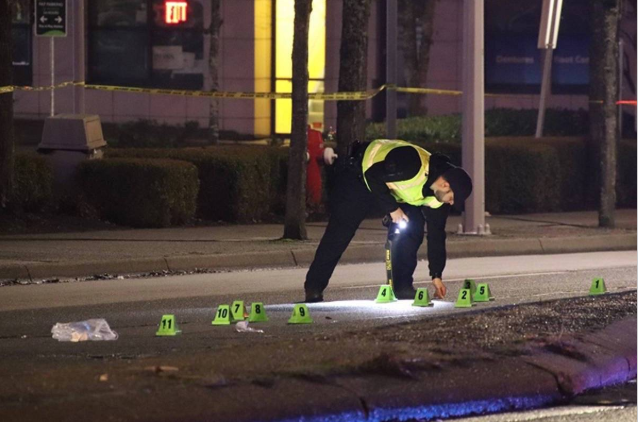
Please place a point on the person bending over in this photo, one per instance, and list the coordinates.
(410, 184)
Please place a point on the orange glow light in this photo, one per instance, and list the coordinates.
(175, 12)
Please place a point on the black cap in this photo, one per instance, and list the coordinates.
(461, 184)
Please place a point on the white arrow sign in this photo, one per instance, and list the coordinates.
(58, 19)
(43, 19)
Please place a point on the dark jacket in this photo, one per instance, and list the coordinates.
(403, 163)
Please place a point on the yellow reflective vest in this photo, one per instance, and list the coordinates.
(404, 191)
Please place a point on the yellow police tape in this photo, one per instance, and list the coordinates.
(428, 91)
(358, 95)
(5, 89)
(335, 96)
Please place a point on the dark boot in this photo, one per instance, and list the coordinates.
(407, 292)
(313, 297)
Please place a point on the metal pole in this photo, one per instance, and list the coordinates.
(473, 136)
(52, 48)
(548, 36)
(391, 69)
(78, 55)
(545, 83)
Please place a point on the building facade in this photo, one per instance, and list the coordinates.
(161, 44)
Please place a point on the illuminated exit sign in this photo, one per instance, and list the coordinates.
(175, 12)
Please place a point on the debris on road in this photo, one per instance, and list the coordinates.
(161, 368)
(242, 327)
(92, 329)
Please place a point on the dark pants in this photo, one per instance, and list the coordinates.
(350, 202)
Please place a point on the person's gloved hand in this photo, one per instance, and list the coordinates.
(398, 215)
(441, 290)
(329, 156)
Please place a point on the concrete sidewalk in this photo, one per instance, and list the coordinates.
(126, 251)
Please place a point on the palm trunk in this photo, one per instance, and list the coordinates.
(414, 15)
(213, 64)
(427, 25)
(408, 46)
(353, 73)
(7, 147)
(295, 220)
(603, 96)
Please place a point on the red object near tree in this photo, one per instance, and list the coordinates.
(313, 171)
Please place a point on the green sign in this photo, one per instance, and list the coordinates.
(50, 18)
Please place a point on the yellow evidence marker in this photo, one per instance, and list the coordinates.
(238, 311)
(222, 316)
(168, 326)
(597, 287)
(257, 312)
(386, 294)
(470, 284)
(300, 315)
(464, 300)
(422, 298)
(483, 293)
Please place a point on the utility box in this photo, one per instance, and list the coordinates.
(69, 139)
(72, 132)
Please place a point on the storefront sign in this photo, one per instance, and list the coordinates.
(50, 18)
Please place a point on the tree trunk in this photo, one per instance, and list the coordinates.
(427, 30)
(213, 64)
(415, 17)
(7, 147)
(603, 95)
(295, 221)
(628, 15)
(408, 22)
(353, 73)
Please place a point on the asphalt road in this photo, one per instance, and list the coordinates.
(141, 374)
(134, 307)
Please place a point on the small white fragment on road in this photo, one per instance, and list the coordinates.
(242, 327)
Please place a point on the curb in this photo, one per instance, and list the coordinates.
(303, 257)
(584, 362)
(603, 358)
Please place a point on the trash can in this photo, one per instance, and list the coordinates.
(69, 139)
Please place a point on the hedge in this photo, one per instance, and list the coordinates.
(517, 175)
(522, 175)
(498, 122)
(140, 192)
(33, 183)
(521, 178)
(238, 183)
(565, 158)
(145, 133)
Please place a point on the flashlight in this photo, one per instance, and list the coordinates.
(387, 222)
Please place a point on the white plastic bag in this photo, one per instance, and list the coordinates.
(92, 329)
(242, 327)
